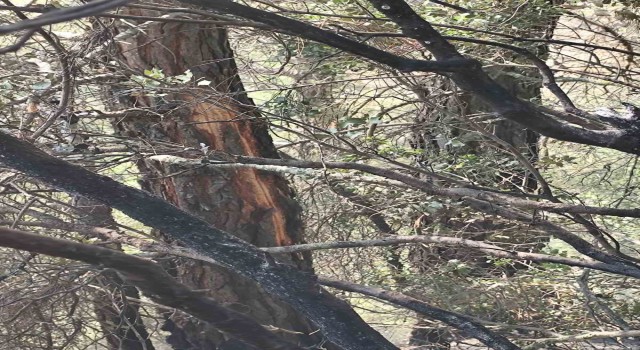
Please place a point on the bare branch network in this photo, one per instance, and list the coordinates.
(205, 166)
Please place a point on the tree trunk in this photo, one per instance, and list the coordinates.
(436, 144)
(255, 205)
(426, 336)
(450, 113)
(118, 316)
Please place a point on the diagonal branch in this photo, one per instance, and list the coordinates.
(474, 80)
(487, 202)
(337, 321)
(156, 283)
(489, 249)
(304, 30)
(466, 73)
(63, 15)
(545, 342)
(428, 187)
(458, 321)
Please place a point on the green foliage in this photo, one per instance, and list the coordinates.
(155, 78)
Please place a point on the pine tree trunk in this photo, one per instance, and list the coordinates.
(256, 206)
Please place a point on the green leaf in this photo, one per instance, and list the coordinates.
(183, 78)
(154, 73)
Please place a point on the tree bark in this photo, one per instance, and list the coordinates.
(256, 206)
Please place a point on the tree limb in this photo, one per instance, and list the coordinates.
(458, 321)
(489, 249)
(151, 279)
(452, 192)
(301, 29)
(580, 337)
(466, 73)
(337, 321)
(63, 15)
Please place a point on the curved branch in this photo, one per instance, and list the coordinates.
(298, 28)
(65, 67)
(466, 73)
(19, 43)
(63, 15)
(474, 80)
(458, 321)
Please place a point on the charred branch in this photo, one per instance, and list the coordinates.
(153, 281)
(336, 320)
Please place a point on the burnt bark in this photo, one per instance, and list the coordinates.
(334, 318)
(118, 315)
(154, 281)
